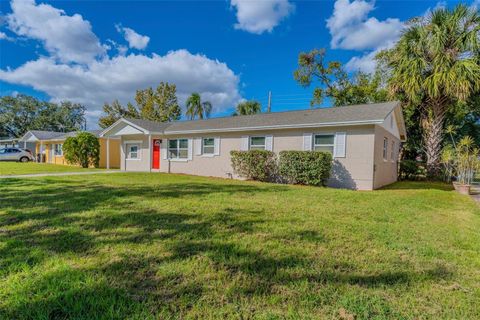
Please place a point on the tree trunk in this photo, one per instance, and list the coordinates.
(432, 136)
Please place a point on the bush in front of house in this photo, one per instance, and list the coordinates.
(83, 150)
(258, 165)
(305, 167)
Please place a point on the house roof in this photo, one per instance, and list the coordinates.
(365, 113)
(40, 135)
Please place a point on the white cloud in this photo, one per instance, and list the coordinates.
(259, 16)
(118, 78)
(3, 36)
(80, 70)
(351, 28)
(134, 39)
(68, 38)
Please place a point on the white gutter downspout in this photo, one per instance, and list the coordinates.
(108, 153)
(150, 153)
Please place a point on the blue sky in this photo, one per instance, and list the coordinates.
(97, 51)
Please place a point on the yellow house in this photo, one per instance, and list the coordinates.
(48, 147)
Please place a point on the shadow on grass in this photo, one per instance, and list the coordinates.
(419, 185)
(70, 218)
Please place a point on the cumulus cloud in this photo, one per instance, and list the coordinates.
(259, 16)
(88, 75)
(134, 39)
(67, 38)
(351, 28)
(118, 78)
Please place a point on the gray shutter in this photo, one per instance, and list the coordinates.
(164, 149)
(190, 149)
(216, 147)
(269, 143)
(244, 146)
(340, 146)
(198, 146)
(307, 142)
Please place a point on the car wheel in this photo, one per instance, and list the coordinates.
(24, 159)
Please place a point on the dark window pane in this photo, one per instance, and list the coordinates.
(257, 141)
(324, 139)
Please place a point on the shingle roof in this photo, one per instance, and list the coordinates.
(53, 135)
(46, 135)
(148, 125)
(363, 113)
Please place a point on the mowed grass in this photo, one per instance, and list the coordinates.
(157, 246)
(16, 168)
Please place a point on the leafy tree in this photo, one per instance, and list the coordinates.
(336, 83)
(22, 113)
(83, 149)
(159, 105)
(115, 111)
(197, 108)
(435, 65)
(247, 108)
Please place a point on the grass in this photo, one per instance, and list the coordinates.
(16, 168)
(157, 246)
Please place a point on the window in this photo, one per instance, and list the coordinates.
(208, 145)
(58, 149)
(178, 149)
(324, 142)
(385, 148)
(133, 151)
(392, 152)
(257, 143)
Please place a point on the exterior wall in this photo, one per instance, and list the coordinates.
(354, 171)
(386, 171)
(142, 164)
(114, 153)
(55, 159)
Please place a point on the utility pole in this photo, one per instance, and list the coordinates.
(269, 108)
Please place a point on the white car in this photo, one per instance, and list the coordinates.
(16, 154)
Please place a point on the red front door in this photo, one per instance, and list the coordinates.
(156, 154)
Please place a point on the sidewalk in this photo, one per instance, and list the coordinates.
(57, 174)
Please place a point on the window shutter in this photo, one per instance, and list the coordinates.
(340, 145)
(307, 142)
(198, 146)
(269, 143)
(244, 146)
(190, 149)
(164, 149)
(216, 147)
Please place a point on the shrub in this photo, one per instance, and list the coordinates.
(258, 165)
(412, 170)
(305, 167)
(83, 149)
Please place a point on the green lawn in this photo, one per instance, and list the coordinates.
(14, 168)
(157, 246)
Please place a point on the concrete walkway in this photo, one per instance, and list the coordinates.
(57, 174)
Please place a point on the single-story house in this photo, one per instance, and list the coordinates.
(363, 139)
(49, 147)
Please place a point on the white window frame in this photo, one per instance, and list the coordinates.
(256, 147)
(385, 149)
(324, 145)
(60, 154)
(178, 150)
(392, 152)
(139, 150)
(212, 146)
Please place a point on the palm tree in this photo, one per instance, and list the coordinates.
(435, 66)
(197, 108)
(248, 107)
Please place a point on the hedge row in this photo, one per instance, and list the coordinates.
(295, 167)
